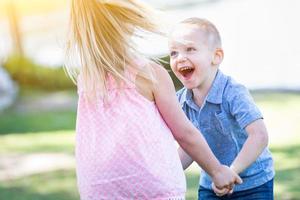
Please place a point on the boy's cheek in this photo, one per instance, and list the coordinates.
(172, 67)
(177, 75)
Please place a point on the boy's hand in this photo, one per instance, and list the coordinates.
(224, 179)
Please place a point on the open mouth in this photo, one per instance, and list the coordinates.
(186, 72)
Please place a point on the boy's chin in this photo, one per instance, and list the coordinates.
(189, 86)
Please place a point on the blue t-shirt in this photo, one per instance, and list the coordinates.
(226, 111)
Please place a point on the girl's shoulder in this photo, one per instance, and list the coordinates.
(79, 83)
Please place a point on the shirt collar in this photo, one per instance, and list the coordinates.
(215, 93)
(183, 96)
(186, 96)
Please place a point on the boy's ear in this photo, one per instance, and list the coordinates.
(218, 56)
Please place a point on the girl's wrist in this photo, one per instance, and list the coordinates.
(233, 168)
(217, 171)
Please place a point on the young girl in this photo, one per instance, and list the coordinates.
(128, 111)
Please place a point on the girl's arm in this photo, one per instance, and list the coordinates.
(256, 142)
(185, 133)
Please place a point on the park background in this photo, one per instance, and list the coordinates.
(261, 43)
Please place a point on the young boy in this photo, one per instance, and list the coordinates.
(222, 110)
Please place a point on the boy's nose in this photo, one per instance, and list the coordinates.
(181, 58)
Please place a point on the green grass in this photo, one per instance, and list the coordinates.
(58, 185)
(14, 121)
(281, 112)
(41, 142)
(36, 122)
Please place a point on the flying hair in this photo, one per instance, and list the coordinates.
(100, 35)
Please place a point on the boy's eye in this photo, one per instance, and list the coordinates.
(173, 53)
(190, 49)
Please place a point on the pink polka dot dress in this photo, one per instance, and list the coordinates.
(124, 149)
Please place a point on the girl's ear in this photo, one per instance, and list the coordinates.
(218, 56)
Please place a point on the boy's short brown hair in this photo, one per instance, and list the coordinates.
(208, 28)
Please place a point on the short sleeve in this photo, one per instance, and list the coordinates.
(242, 106)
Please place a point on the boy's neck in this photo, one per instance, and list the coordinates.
(198, 97)
(200, 93)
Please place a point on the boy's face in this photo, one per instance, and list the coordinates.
(191, 57)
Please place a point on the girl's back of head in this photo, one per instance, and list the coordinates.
(101, 35)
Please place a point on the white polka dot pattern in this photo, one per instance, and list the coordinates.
(124, 150)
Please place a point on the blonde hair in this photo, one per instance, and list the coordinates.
(208, 28)
(101, 35)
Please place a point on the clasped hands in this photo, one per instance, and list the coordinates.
(224, 180)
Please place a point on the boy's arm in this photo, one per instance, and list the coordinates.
(185, 159)
(185, 133)
(256, 142)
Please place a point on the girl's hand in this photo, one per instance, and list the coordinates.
(224, 179)
(221, 192)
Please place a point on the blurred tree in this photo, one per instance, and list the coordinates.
(8, 90)
(14, 27)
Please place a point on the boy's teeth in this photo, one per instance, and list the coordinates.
(184, 68)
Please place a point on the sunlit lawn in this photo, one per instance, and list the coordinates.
(53, 132)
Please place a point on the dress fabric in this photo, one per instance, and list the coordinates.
(124, 149)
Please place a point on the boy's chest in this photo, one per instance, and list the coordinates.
(211, 119)
(218, 128)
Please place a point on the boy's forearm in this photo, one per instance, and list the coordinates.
(252, 148)
(185, 159)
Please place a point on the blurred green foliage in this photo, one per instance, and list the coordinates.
(165, 61)
(29, 74)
